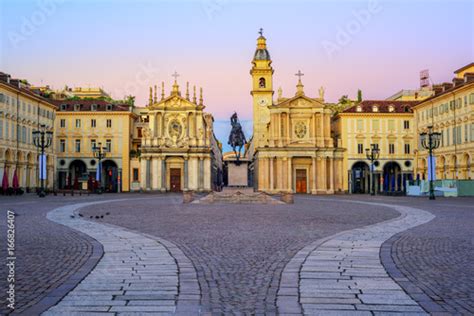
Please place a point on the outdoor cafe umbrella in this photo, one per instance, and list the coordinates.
(5, 180)
(15, 182)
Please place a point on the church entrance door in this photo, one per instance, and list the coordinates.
(301, 181)
(175, 179)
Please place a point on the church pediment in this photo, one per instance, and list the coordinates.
(175, 102)
(300, 101)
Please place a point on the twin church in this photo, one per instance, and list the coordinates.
(291, 149)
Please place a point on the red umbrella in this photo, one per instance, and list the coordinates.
(5, 180)
(15, 183)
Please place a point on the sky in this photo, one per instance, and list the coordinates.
(343, 45)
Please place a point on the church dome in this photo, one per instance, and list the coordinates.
(261, 53)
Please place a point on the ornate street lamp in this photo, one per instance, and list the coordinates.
(99, 153)
(430, 141)
(42, 138)
(372, 155)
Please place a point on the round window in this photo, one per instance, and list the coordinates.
(175, 129)
(300, 129)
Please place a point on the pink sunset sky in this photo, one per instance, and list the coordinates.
(126, 46)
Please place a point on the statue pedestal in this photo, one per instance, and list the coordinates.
(237, 173)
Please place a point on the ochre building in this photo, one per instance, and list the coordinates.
(449, 112)
(178, 148)
(292, 146)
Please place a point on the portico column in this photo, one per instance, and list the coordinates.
(185, 173)
(148, 173)
(288, 135)
(290, 176)
(271, 174)
(321, 130)
(163, 174)
(155, 125)
(313, 182)
(156, 173)
(331, 175)
(143, 174)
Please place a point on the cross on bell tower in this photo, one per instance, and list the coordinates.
(260, 32)
(299, 86)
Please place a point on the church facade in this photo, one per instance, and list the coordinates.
(179, 151)
(292, 147)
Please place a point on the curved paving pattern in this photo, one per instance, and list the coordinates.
(239, 251)
(343, 273)
(137, 273)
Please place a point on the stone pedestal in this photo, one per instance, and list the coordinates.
(287, 197)
(237, 173)
(188, 196)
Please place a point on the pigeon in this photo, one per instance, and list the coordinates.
(101, 216)
(80, 215)
(72, 216)
(97, 216)
(108, 213)
(92, 216)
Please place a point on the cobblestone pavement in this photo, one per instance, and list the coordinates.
(239, 251)
(343, 273)
(47, 254)
(137, 274)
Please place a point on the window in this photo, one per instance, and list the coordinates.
(6, 129)
(94, 107)
(62, 123)
(360, 125)
(109, 123)
(391, 125)
(466, 133)
(108, 145)
(391, 148)
(78, 123)
(407, 149)
(93, 144)
(406, 124)
(391, 108)
(62, 145)
(23, 134)
(465, 100)
(261, 83)
(109, 107)
(1, 128)
(135, 175)
(375, 108)
(360, 148)
(359, 108)
(78, 145)
(471, 98)
(63, 107)
(93, 123)
(77, 107)
(447, 137)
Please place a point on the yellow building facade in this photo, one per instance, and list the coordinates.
(292, 148)
(449, 112)
(81, 125)
(389, 125)
(179, 151)
(22, 112)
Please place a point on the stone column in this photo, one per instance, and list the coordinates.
(156, 173)
(321, 130)
(155, 125)
(143, 173)
(201, 174)
(163, 174)
(271, 174)
(186, 173)
(331, 175)
(313, 182)
(148, 173)
(288, 131)
(290, 176)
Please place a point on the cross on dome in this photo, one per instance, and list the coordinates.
(175, 75)
(299, 75)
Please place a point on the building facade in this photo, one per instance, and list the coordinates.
(21, 113)
(179, 151)
(390, 126)
(292, 147)
(83, 124)
(449, 112)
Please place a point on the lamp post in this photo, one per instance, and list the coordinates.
(42, 138)
(430, 141)
(99, 153)
(372, 154)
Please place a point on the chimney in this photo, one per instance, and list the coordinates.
(15, 82)
(416, 95)
(468, 77)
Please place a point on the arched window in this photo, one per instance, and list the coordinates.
(261, 83)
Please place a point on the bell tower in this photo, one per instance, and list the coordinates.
(262, 91)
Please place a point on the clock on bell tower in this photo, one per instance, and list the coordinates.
(262, 90)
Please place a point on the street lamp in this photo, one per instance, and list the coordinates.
(430, 141)
(372, 155)
(42, 139)
(99, 153)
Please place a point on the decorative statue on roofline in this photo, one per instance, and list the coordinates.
(236, 137)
